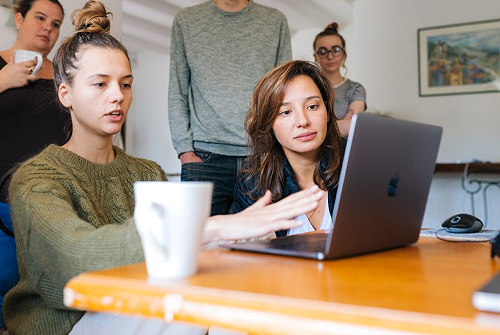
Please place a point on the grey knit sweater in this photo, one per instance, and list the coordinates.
(216, 59)
(70, 216)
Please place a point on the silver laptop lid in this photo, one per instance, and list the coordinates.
(384, 183)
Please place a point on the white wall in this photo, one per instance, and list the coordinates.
(384, 37)
(147, 130)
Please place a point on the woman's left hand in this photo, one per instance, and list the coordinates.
(15, 75)
(262, 217)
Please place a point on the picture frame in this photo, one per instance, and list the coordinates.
(459, 59)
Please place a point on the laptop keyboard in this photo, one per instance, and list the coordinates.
(306, 242)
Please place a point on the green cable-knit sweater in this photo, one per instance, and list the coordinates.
(70, 216)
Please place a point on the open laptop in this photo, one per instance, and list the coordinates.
(384, 183)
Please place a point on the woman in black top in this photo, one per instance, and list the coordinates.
(30, 117)
(30, 114)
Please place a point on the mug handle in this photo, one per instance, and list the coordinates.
(38, 64)
(159, 212)
(159, 215)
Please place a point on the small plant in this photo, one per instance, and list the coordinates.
(375, 111)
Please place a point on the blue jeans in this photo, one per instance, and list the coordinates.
(220, 170)
(9, 274)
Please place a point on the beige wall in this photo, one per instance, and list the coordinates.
(385, 39)
(385, 60)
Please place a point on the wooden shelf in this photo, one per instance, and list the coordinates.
(473, 167)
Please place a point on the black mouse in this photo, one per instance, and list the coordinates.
(463, 223)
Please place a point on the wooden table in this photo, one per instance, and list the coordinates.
(424, 288)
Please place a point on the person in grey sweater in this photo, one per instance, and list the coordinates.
(219, 50)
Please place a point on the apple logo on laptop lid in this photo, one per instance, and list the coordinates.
(393, 186)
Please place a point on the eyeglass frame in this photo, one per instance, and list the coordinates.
(336, 51)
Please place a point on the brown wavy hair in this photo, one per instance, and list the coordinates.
(266, 159)
(92, 26)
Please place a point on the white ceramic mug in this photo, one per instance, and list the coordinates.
(170, 218)
(25, 55)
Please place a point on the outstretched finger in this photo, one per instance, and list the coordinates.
(286, 224)
(264, 228)
(263, 201)
(299, 202)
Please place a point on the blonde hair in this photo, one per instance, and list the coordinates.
(92, 26)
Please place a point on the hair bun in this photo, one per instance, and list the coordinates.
(332, 27)
(92, 18)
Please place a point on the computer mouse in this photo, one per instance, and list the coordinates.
(463, 223)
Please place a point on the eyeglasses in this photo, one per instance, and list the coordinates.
(336, 51)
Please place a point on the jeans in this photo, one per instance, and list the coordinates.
(221, 170)
(9, 274)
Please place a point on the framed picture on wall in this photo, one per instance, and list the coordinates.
(459, 59)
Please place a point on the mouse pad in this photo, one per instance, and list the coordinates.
(442, 233)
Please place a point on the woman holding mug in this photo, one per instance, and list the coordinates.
(38, 23)
(30, 116)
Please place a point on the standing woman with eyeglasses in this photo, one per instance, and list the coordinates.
(330, 54)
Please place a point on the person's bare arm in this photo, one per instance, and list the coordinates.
(262, 217)
(189, 157)
(355, 107)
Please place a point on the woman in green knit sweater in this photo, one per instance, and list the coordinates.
(72, 206)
